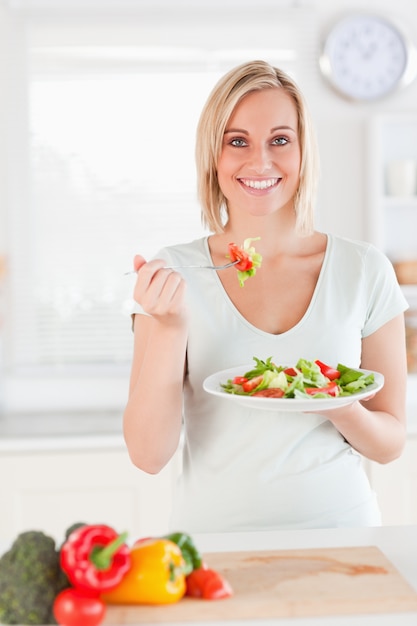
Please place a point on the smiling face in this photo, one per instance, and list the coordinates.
(259, 165)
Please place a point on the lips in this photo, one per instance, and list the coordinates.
(259, 184)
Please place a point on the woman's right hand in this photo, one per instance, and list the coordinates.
(160, 291)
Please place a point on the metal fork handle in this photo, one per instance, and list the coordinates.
(200, 267)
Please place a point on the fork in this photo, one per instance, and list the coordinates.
(200, 267)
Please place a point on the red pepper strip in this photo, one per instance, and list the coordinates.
(207, 584)
(328, 371)
(95, 558)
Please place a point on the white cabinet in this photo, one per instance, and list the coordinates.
(392, 222)
(392, 226)
(51, 490)
(392, 218)
(396, 486)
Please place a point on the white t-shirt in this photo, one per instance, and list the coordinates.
(245, 469)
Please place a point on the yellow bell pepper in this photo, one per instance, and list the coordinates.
(156, 575)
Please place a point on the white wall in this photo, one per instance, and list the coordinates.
(341, 126)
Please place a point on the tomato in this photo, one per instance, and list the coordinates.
(269, 393)
(328, 371)
(73, 607)
(290, 371)
(239, 380)
(251, 384)
(208, 584)
(238, 254)
(332, 389)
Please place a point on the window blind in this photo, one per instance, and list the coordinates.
(111, 175)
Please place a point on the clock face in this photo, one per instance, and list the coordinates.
(365, 57)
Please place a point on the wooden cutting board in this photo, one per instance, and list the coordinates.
(289, 583)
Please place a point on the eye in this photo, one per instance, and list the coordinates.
(238, 142)
(280, 141)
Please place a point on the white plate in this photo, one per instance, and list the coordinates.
(212, 384)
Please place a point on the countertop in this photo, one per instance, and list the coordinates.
(61, 431)
(398, 544)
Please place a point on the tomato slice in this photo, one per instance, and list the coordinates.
(251, 384)
(332, 389)
(290, 371)
(269, 393)
(239, 380)
(238, 254)
(326, 370)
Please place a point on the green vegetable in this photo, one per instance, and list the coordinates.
(30, 578)
(191, 555)
(261, 367)
(351, 381)
(256, 261)
(73, 527)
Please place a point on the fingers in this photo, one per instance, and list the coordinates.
(148, 273)
(138, 261)
(158, 290)
(368, 398)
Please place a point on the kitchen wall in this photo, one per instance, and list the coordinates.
(342, 126)
(35, 495)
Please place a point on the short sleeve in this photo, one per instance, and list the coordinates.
(386, 299)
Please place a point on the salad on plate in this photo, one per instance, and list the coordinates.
(305, 380)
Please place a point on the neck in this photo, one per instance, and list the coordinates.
(276, 231)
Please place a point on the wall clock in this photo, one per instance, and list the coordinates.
(366, 57)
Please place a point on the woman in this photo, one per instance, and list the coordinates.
(316, 296)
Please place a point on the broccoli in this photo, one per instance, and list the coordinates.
(73, 527)
(30, 579)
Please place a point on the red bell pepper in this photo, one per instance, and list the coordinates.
(95, 558)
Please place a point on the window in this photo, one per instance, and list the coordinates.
(107, 169)
(111, 160)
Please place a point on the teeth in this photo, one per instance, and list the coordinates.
(259, 184)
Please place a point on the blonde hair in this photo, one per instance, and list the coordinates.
(227, 93)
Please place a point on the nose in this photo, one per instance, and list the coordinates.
(260, 159)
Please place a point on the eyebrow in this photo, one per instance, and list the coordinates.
(245, 132)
